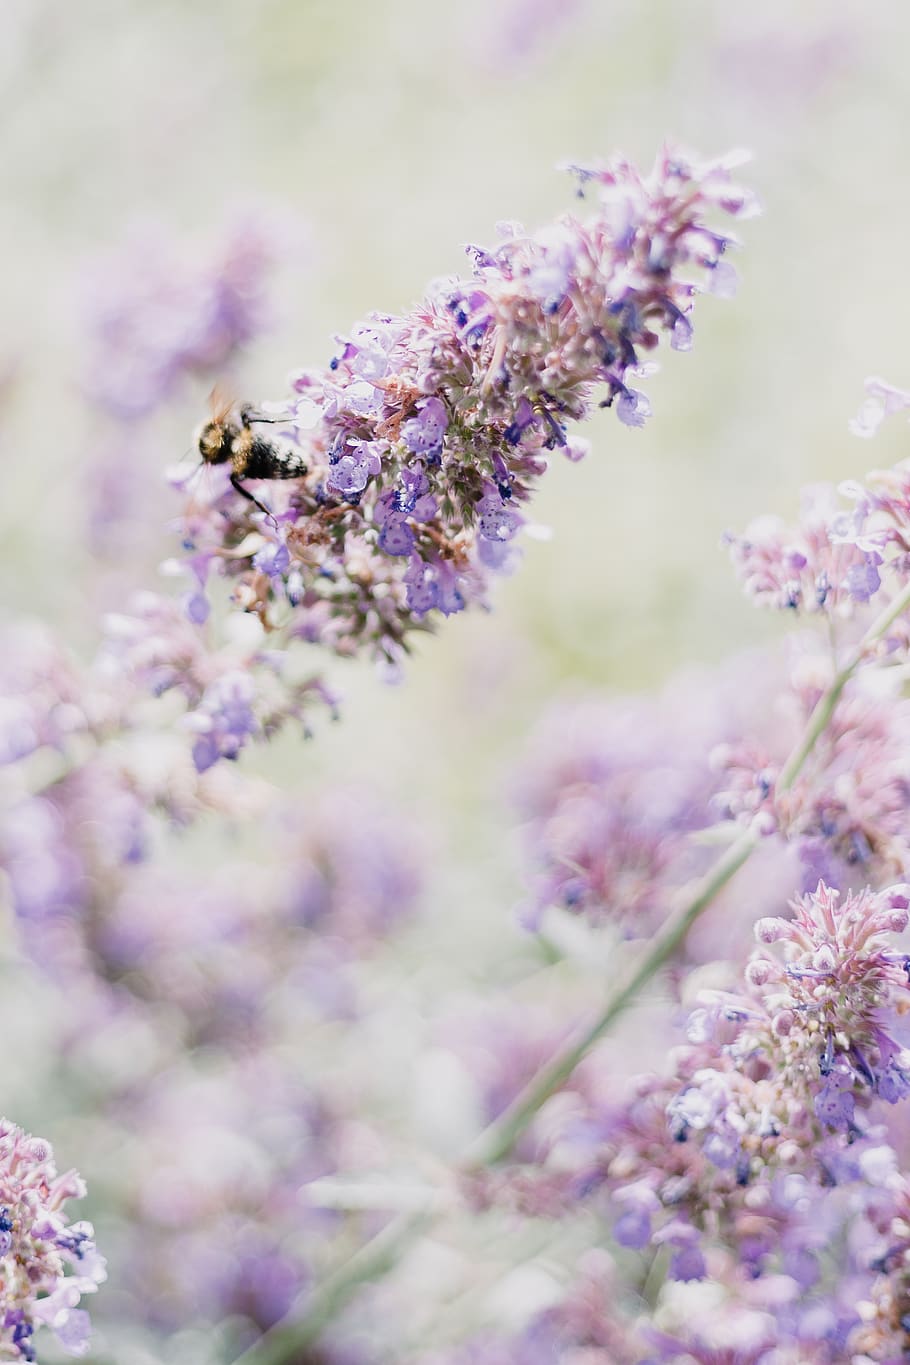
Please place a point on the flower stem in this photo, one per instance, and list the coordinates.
(497, 1140)
(287, 1341)
(818, 721)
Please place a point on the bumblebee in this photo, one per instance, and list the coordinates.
(228, 437)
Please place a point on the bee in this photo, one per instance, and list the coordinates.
(228, 437)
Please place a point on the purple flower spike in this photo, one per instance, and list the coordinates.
(453, 407)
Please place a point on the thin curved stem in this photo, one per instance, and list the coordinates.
(497, 1140)
(287, 1341)
(821, 716)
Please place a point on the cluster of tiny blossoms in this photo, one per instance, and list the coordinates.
(232, 693)
(624, 798)
(594, 1322)
(610, 793)
(426, 434)
(764, 1141)
(37, 1244)
(845, 814)
(769, 1107)
(846, 552)
(76, 741)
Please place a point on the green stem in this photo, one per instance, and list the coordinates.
(288, 1341)
(818, 721)
(497, 1140)
(279, 1346)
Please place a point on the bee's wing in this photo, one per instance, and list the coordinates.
(197, 488)
(221, 403)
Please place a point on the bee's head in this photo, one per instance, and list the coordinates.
(215, 442)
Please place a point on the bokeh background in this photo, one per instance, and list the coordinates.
(375, 140)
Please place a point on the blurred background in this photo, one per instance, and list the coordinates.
(360, 147)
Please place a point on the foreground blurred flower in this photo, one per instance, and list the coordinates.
(88, 759)
(613, 791)
(252, 951)
(216, 1226)
(426, 435)
(37, 1243)
(155, 315)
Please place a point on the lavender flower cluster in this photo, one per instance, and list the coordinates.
(768, 1074)
(624, 800)
(758, 1171)
(134, 735)
(847, 553)
(37, 1244)
(426, 435)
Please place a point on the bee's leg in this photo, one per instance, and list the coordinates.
(245, 493)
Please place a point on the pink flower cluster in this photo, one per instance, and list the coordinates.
(847, 552)
(46, 1262)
